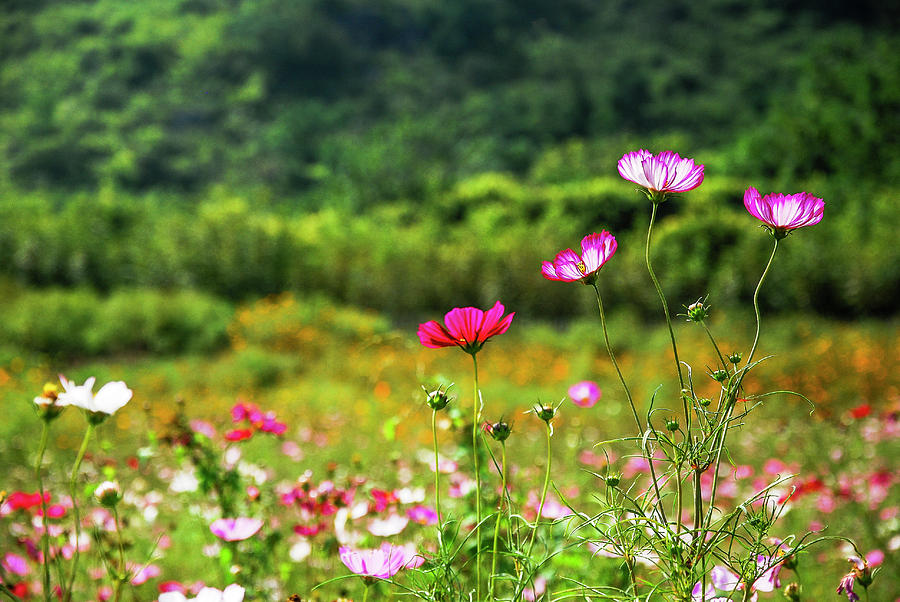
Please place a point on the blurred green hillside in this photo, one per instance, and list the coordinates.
(412, 155)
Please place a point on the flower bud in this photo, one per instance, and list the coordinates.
(108, 493)
(613, 479)
(792, 592)
(719, 375)
(500, 431)
(47, 402)
(697, 311)
(736, 357)
(704, 401)
(671, 425)
(438, 399)
(545, 412)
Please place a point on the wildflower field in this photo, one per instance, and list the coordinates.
(450, 301)
(325, 443)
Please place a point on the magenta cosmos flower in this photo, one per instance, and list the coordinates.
(585, 393)
(660, 174)
(782, 213)
(468, 328)
(569, 266)
(235, 529)
(380, 563)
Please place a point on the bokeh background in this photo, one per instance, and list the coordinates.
(260, 199)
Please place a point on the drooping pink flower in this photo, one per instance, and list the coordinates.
(783, 213)
(660, 174)
(380, 563)
(468, 328)
(235, 529)
(585, 393)
(569, 266)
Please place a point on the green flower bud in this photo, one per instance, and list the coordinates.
(500, 431)
(719, 375)
(671, 425)
(438, 399)
(736, 357)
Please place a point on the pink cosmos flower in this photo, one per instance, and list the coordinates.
(585, 393)
(235, 529)
(380, 563)
(728, 581)
(422, 515)
(468, 328)
(15, 564)
(783, 213)
(568, 266)
(660, 174)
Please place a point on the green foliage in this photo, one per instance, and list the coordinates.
(79, 323)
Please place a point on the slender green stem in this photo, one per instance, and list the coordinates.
(437, 477)
(687, 414)
(756, 304)
(497, 522)
(715, 346)
(665, 304)
(540, 510)
(612, 357)
(73, 484)
(475, 409)
(5, 591)
(121, 574)
(45, 536)
(365, 594)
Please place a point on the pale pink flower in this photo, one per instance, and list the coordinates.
(110, 398)
(15, 564)
(540, 586)
(144, 573)
(235, 529)
(784, 212)
(422, 515)
(232, 593)
(569, 266)
(660, 174)
(380, 563)
(585, 393)
(468, 328)
(392, 525)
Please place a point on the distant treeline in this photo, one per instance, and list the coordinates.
(355, 102)
(482, 241)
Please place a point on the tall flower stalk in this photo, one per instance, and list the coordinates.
(499, 431)
(73, 491)
(477, 468)
(45, 536)
(469, 328)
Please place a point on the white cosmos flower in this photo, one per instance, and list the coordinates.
(111, 396)
(232, 593)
